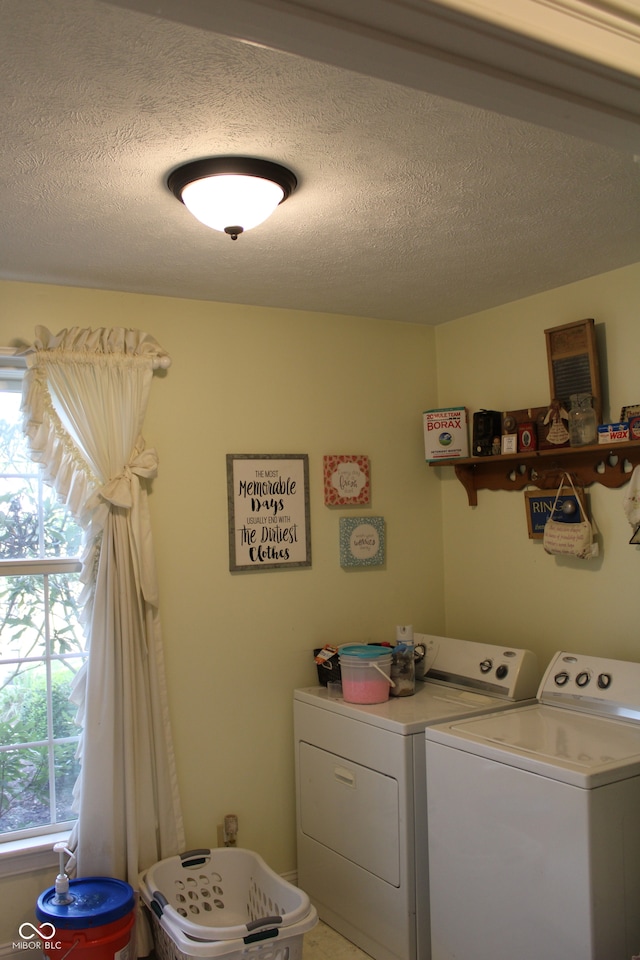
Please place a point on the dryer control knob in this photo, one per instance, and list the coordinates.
(583, 678)
(502, 671)
(604, 680)
(561, 678)
(486, 665)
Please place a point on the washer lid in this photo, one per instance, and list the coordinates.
(578, 748)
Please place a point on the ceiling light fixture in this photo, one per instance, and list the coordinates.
(232, 194)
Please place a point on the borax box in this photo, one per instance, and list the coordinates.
(446, 433)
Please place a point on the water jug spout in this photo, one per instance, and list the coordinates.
(62, 895)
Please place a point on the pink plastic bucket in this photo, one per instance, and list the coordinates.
(365, 670)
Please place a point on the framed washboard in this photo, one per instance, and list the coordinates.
(573, 363)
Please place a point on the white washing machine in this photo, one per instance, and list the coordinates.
(534, 822)
(360, 791)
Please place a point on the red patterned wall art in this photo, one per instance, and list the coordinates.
(346, 480)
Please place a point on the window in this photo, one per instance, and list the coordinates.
(42, 645)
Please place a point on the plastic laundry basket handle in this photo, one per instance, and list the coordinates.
(263, 922)
(262, 934)
(193, 858)
(158, 902)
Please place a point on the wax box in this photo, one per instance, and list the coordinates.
(613, 432)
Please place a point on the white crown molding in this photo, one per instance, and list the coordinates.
(605, 31)
(621, 16)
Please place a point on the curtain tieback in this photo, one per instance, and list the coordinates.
(118, 490)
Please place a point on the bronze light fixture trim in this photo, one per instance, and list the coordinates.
(232, 194)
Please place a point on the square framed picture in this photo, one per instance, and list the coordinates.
(362, 541)
(631, 411)
(346, 480)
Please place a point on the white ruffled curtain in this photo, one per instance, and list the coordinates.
(85, 399)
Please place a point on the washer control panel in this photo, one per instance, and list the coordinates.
(592, 683)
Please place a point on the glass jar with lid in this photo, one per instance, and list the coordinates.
(583, 423)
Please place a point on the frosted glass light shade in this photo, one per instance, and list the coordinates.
(232, 201)
(232, 194)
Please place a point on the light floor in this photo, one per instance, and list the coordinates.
(323, 943)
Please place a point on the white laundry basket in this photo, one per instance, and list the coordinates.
(224, 903)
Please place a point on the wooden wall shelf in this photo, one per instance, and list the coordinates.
(611, 465)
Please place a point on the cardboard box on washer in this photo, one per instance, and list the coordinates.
(446, 433)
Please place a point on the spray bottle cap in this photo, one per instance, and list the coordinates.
(404, 634)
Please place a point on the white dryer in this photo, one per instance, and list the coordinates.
(360, 791)
(534, 822)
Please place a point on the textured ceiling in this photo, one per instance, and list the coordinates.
(409, 207)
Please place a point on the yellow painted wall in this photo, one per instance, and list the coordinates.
(254, 380)
(258, 380)
(499, 584)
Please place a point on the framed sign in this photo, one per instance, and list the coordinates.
(346, 480)
(539, 506)
(268, 502)
(362, 541)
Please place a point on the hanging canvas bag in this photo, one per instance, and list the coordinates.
(631, 502)
(569, 538)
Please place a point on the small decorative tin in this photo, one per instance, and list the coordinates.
(634, 428)
(527, 439)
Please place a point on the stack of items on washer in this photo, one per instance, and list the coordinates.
(495, 814)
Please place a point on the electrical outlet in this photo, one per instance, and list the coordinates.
(230, 830)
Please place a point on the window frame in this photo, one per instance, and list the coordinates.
(26, 849)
